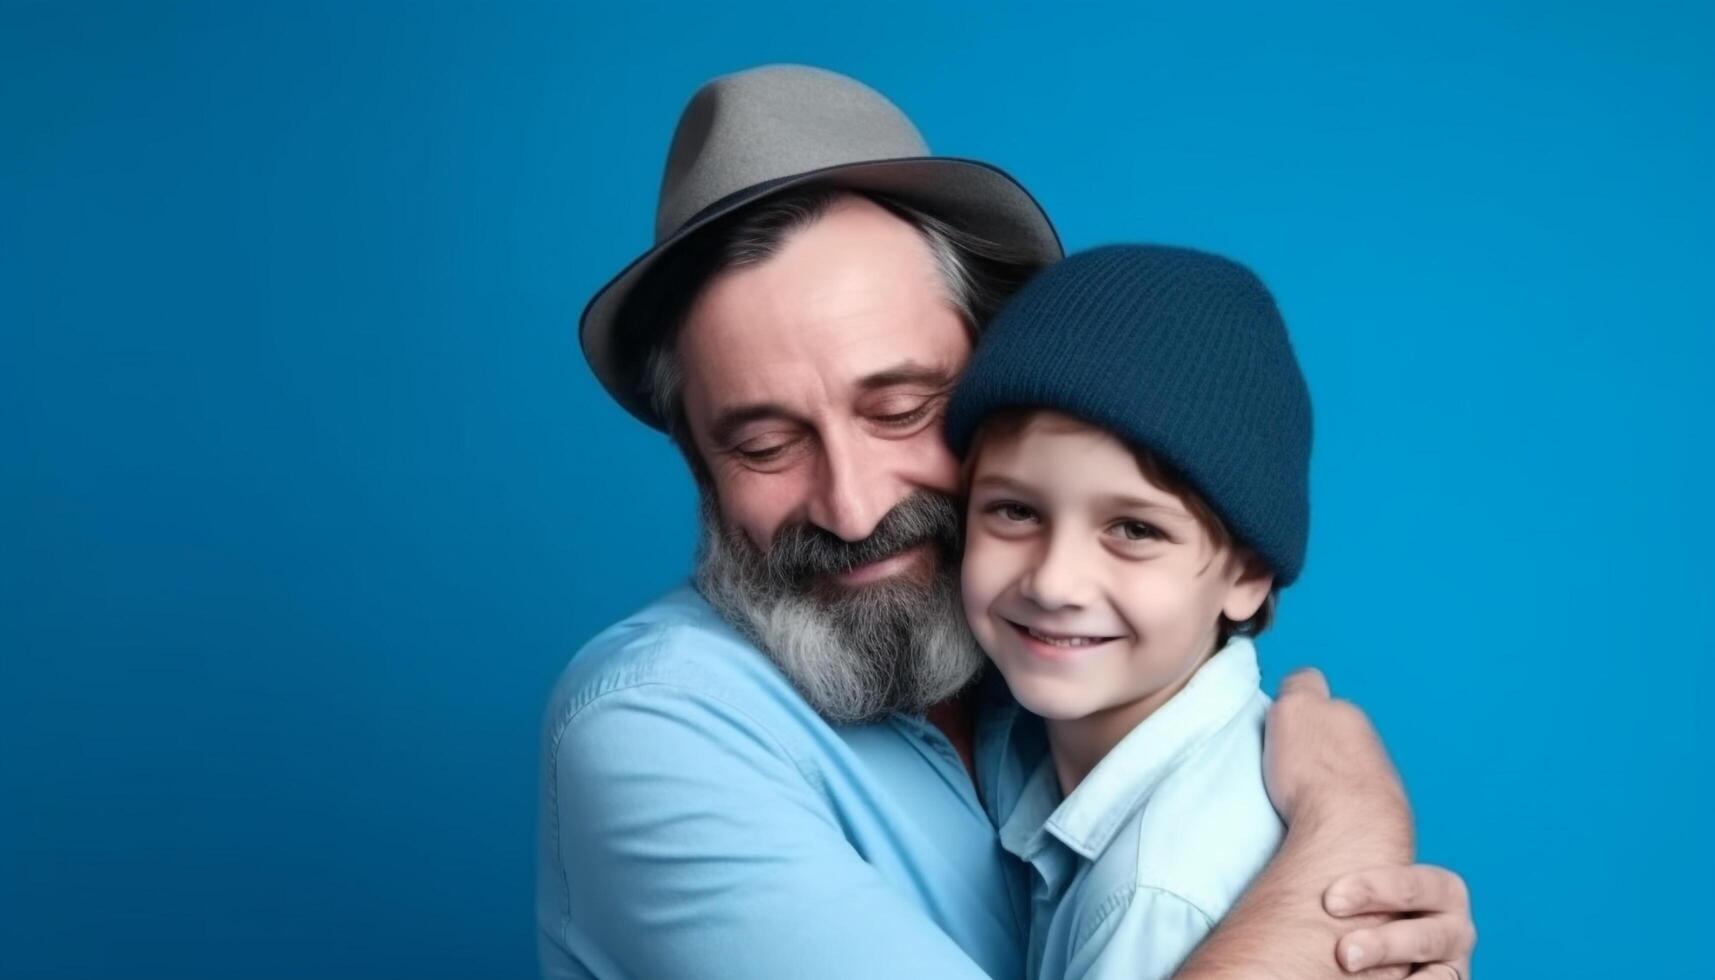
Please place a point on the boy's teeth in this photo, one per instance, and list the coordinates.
(1062, 641)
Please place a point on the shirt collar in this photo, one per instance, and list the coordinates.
(1127, 776)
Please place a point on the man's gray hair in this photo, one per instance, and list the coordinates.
(979, 276)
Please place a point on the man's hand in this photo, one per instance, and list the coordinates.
(1436, 932)
(1325, 767)
(1331, 780)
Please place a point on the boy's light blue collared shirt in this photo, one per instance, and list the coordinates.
(1135, 867)
(698, 819)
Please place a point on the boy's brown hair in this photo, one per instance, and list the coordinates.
(1009, 423)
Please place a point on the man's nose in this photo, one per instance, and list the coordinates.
(854, 492)
(1060, 578)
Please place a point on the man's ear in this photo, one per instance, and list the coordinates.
(1251, 584)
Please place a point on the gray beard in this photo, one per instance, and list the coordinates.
(855, 654)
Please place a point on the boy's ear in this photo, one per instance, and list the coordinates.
(1250, 588)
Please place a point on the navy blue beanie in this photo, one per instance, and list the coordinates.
(1179, 352)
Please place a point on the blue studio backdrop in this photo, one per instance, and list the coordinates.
(306, 494)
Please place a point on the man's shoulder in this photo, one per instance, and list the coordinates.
(675, 649)
(1209, 827)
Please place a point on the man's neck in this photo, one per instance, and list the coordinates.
(957, 719)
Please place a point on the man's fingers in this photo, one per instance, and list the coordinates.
(1438, 971)
(1431, 939)
(1307, 680)
(1417, 888)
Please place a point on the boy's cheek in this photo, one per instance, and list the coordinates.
(968, 564)
(978, 575)
(981, 564)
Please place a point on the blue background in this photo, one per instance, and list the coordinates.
(306, 494)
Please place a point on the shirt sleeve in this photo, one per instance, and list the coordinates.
(1140, 934)
(688, 843)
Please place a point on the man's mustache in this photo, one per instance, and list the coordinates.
(802, 554)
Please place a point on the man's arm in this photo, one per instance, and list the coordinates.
(681, 840)
(1349, 840)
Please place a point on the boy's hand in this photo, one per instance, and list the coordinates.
(1437, 935)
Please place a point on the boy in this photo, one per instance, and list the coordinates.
(1137, 436)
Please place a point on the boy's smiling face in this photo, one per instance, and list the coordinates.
(1092, 588)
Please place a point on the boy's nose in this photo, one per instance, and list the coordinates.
(1060, 579)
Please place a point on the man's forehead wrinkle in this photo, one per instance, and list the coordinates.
(848, 353)
(766, 383)
(851, 298)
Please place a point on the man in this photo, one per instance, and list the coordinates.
(777, 774)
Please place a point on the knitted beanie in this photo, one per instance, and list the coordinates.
(1176, 351)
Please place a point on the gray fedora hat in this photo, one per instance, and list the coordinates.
(755, 133)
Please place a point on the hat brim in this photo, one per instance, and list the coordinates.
(967, 194)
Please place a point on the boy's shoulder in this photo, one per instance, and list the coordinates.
(1208, 828)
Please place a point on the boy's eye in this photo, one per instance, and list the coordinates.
(1137, 531)
(1012, 511)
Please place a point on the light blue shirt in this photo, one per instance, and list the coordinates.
(698, 819)
(1137, 865)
